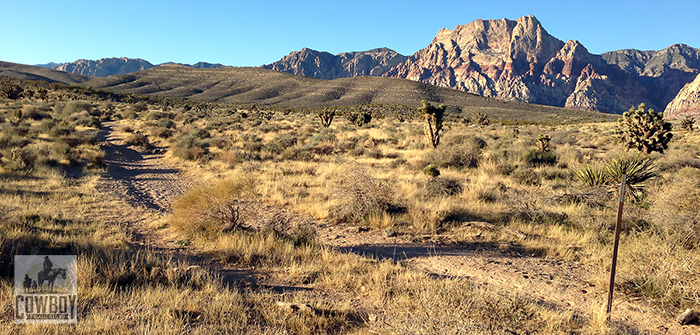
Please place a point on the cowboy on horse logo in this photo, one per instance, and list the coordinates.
(45, 289)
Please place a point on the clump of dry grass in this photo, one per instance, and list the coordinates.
(358, 194)
(208, 211)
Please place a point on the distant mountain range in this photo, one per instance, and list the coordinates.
(504, 59)
(518, 60)
(112, 66)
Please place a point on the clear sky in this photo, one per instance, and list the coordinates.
(253, 33)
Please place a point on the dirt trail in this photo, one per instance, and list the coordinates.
(149, 183)
(553, 284)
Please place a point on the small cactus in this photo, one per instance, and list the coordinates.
(644, 129)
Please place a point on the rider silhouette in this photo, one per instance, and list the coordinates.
(47, 264)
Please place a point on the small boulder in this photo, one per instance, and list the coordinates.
(687, 317)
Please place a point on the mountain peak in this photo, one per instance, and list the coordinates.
(324, 65)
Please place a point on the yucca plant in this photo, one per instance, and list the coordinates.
(639, 170)
(591, 175)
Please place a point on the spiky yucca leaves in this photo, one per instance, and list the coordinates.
(644, 130)
(591, 175)
(326, 116)
(639, 169)
(433, 122)
(688, 123)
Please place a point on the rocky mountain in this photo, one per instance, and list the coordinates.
(663, 73)
(519, 60)
(106, 66)
(49, 65)
(324, 65)
(198, 65)
(687, 101)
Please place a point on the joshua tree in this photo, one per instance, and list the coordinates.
(688, 123)
(480, 119)
(326, 116)
(11, 91)
(644, 130)
(543, 142)
(433, 122)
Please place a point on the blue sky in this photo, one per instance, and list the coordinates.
(252, 33)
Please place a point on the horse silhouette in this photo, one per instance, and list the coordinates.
(50, 275)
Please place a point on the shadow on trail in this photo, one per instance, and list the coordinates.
(406, 251)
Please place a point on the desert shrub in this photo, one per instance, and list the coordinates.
(280, 143)
(439, 187)
(459, 152)
(431, 171)
(139, 107)
(526, 176)
(166, 123)
(688, 123)
(63, 151)
(209, 211)
(77, 138)
(19, 159)
(534, 157)
(61, 130)
(190, 147)
(161, 132)
(231, 157)
(137, 139)
(675, 208)
(34, 112)
(359, 195)
(65, 110)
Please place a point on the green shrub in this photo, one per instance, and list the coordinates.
(431, 171)
(458, 152)
(190, 148)
(439, 187)
(535, 157)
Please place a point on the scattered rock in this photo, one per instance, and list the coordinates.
(687, 317)
(296, 307)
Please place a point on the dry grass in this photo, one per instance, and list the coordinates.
(370, 176)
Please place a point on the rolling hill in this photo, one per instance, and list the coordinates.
(249, 85)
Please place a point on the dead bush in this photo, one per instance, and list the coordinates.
(209, 211)
(359, 194)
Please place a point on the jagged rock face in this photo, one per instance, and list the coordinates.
(106, 66)
(519, 60)
(663, 73)
(687, 101)
(324, 65)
